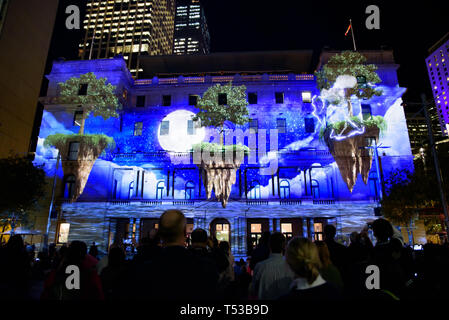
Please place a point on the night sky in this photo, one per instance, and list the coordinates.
(409, 28)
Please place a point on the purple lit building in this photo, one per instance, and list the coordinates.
(131, 186)
(437, 66)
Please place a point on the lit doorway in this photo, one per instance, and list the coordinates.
(291, 227)
(255, 229)
(221, 229)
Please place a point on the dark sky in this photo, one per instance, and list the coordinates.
(407, 27)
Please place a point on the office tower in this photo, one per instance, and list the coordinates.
(128, 27)
(26, 27)
(191, 33)
(418, 132)
(437, 63)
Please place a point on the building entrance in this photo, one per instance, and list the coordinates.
(255, 229)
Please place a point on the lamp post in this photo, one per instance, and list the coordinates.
(52, 202)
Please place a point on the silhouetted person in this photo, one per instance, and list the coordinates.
(93, 251)
(114, 276)
(338, 252)
(176, 274)
(328, 271)
(55, 287)
(149, 248)
(272, 277)
(359, 257)
(262, 250)
(199, 247)
(385, 256)
(228, 274)
(15, 270)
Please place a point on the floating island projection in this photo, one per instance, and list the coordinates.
(218, 105)
(90, 95)
(344, 81)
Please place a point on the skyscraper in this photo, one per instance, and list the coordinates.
(191, 32)
(417, 129)
(437, 63)
(26, 27)
(128, 27)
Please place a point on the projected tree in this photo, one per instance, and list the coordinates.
(79, 152)
(344, 77)
(93, 95)
(223, 103)
(353, 64)
(218, 105)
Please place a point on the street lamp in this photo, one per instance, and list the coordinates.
(52, 202)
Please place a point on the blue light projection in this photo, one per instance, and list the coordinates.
(151, 140)
(147, 172)
(139, 166)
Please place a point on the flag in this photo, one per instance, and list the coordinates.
(349, 28)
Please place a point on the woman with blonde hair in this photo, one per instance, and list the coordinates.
(303, 258)
(328, 270)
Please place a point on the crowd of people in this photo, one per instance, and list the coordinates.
(166, 268)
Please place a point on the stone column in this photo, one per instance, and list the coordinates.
(238, 232)
(312, 230)
(305, 233)
(137, 221)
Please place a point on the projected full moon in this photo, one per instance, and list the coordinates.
(174, 133)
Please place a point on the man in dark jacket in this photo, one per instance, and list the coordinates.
(337, 251)
(214, 255)
(176, 274)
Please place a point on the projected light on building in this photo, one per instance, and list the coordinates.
(130, 187)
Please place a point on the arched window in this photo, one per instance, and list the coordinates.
(69, 186)
(315, 189)
(190, 190)
(160, 187)
(130, 189)
(284, 187)
(254, 192)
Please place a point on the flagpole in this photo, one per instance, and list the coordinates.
(352, 31)
(92, 44)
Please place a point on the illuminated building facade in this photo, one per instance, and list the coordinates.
(191, 34)
(437, 67)
(151, 169)
(130, 28)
